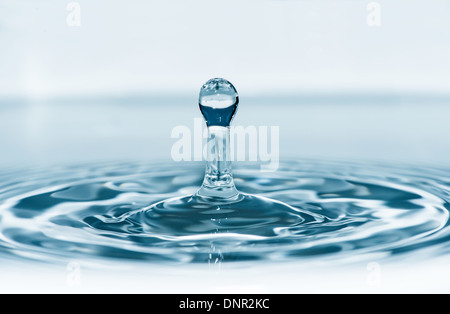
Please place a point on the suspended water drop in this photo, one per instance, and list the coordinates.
(218, 102)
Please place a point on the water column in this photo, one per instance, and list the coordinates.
(218, 101)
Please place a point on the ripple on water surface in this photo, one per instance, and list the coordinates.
(336, 210)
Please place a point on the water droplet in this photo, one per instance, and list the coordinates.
(218, 102)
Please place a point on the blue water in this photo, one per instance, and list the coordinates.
(336, 210)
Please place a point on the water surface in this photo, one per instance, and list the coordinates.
(339, 210)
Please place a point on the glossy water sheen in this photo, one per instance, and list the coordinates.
(336, 210)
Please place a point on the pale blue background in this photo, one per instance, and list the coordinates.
(115, 87)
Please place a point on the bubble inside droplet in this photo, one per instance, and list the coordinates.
(218, 102)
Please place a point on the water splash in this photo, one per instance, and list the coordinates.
(166, 212)
(217, 206)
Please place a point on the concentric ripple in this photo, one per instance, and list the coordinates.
(335, 210)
